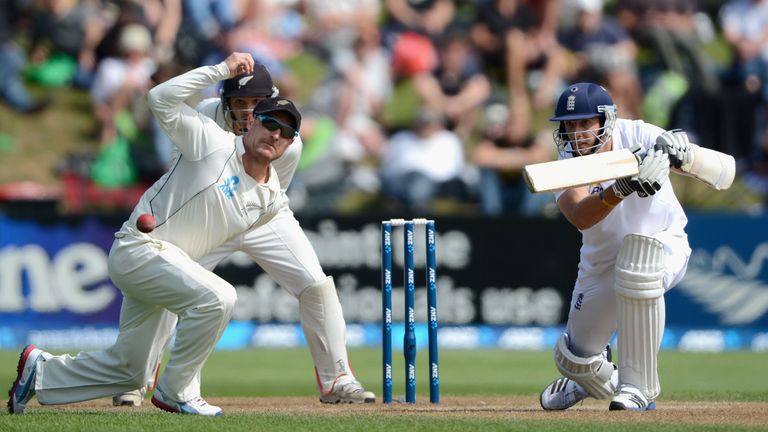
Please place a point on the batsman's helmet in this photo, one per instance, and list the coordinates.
(584, 101)
(256, 84)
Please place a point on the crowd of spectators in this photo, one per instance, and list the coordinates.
(476, 80)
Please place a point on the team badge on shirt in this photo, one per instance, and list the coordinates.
(229, 186)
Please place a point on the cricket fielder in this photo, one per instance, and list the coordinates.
(634, 249)
(220, 186)
(283, 251)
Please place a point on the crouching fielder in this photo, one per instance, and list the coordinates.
(634, 248)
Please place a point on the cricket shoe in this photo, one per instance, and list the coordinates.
(24, 386)
(195, 406)
(349, 391)
(631, 398)
(130, 398)
(562, 394)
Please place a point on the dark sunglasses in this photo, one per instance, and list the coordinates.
(272, 124)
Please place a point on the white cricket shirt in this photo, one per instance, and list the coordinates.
(206, 197)
(659, 215)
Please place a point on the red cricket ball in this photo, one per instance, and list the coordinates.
(146, 223)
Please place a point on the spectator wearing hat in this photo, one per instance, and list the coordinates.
(423, 162)
(119, 80)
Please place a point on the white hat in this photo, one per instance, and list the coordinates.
(134, 37)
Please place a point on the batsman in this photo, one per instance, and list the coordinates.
(634, 249)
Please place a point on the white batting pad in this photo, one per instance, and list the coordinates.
(325, 330)
(639, 299)
(594, 373)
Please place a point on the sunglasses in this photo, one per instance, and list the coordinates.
(272, 124)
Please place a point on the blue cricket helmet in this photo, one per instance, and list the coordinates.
(583, 101)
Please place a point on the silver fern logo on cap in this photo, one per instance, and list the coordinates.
(244, 80)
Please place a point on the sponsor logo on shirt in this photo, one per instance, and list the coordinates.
(229, 187)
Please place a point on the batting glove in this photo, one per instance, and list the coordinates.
(624, 186)
(653, 172)
(676, 144)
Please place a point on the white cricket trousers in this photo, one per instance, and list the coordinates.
(592, 318)
(159, 282)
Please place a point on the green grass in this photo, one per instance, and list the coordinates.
(263, 373)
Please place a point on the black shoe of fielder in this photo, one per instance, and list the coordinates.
(24, 386)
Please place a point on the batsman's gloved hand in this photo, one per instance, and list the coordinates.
(624, 186)
(676, 144)
(653, 172)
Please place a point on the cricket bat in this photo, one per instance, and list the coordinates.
(580, 171)
(714, 168)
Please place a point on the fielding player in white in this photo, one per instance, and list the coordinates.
(220, 186)
(281, 248)
(634, 248)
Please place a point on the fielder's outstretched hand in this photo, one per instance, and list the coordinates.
(239, 63)
(675, 142)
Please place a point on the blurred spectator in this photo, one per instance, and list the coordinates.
(12, 61)
(458, 87)
(548, 20)
(423, 162)
(508, 144)
(65, 34)
(120, 80)
(427, 17)
(510, 35)
(161, 17)
(322, 178)
(411, 31)
(270, 29)
(745, 28)
(334, 24)
(206, 24)
(668, 30)
(603, 52)
(359, 87)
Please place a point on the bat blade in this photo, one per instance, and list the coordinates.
(579, 171)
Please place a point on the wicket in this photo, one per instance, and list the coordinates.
(409, 342)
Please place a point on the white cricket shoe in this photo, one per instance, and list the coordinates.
(562, 394)
(195, 406)
(631, 398)
(349, 391)
(23, 387)
(132, 398)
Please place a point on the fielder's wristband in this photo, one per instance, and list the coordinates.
(604, 201)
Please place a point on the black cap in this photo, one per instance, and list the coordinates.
(273, 104)
(258, 83)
